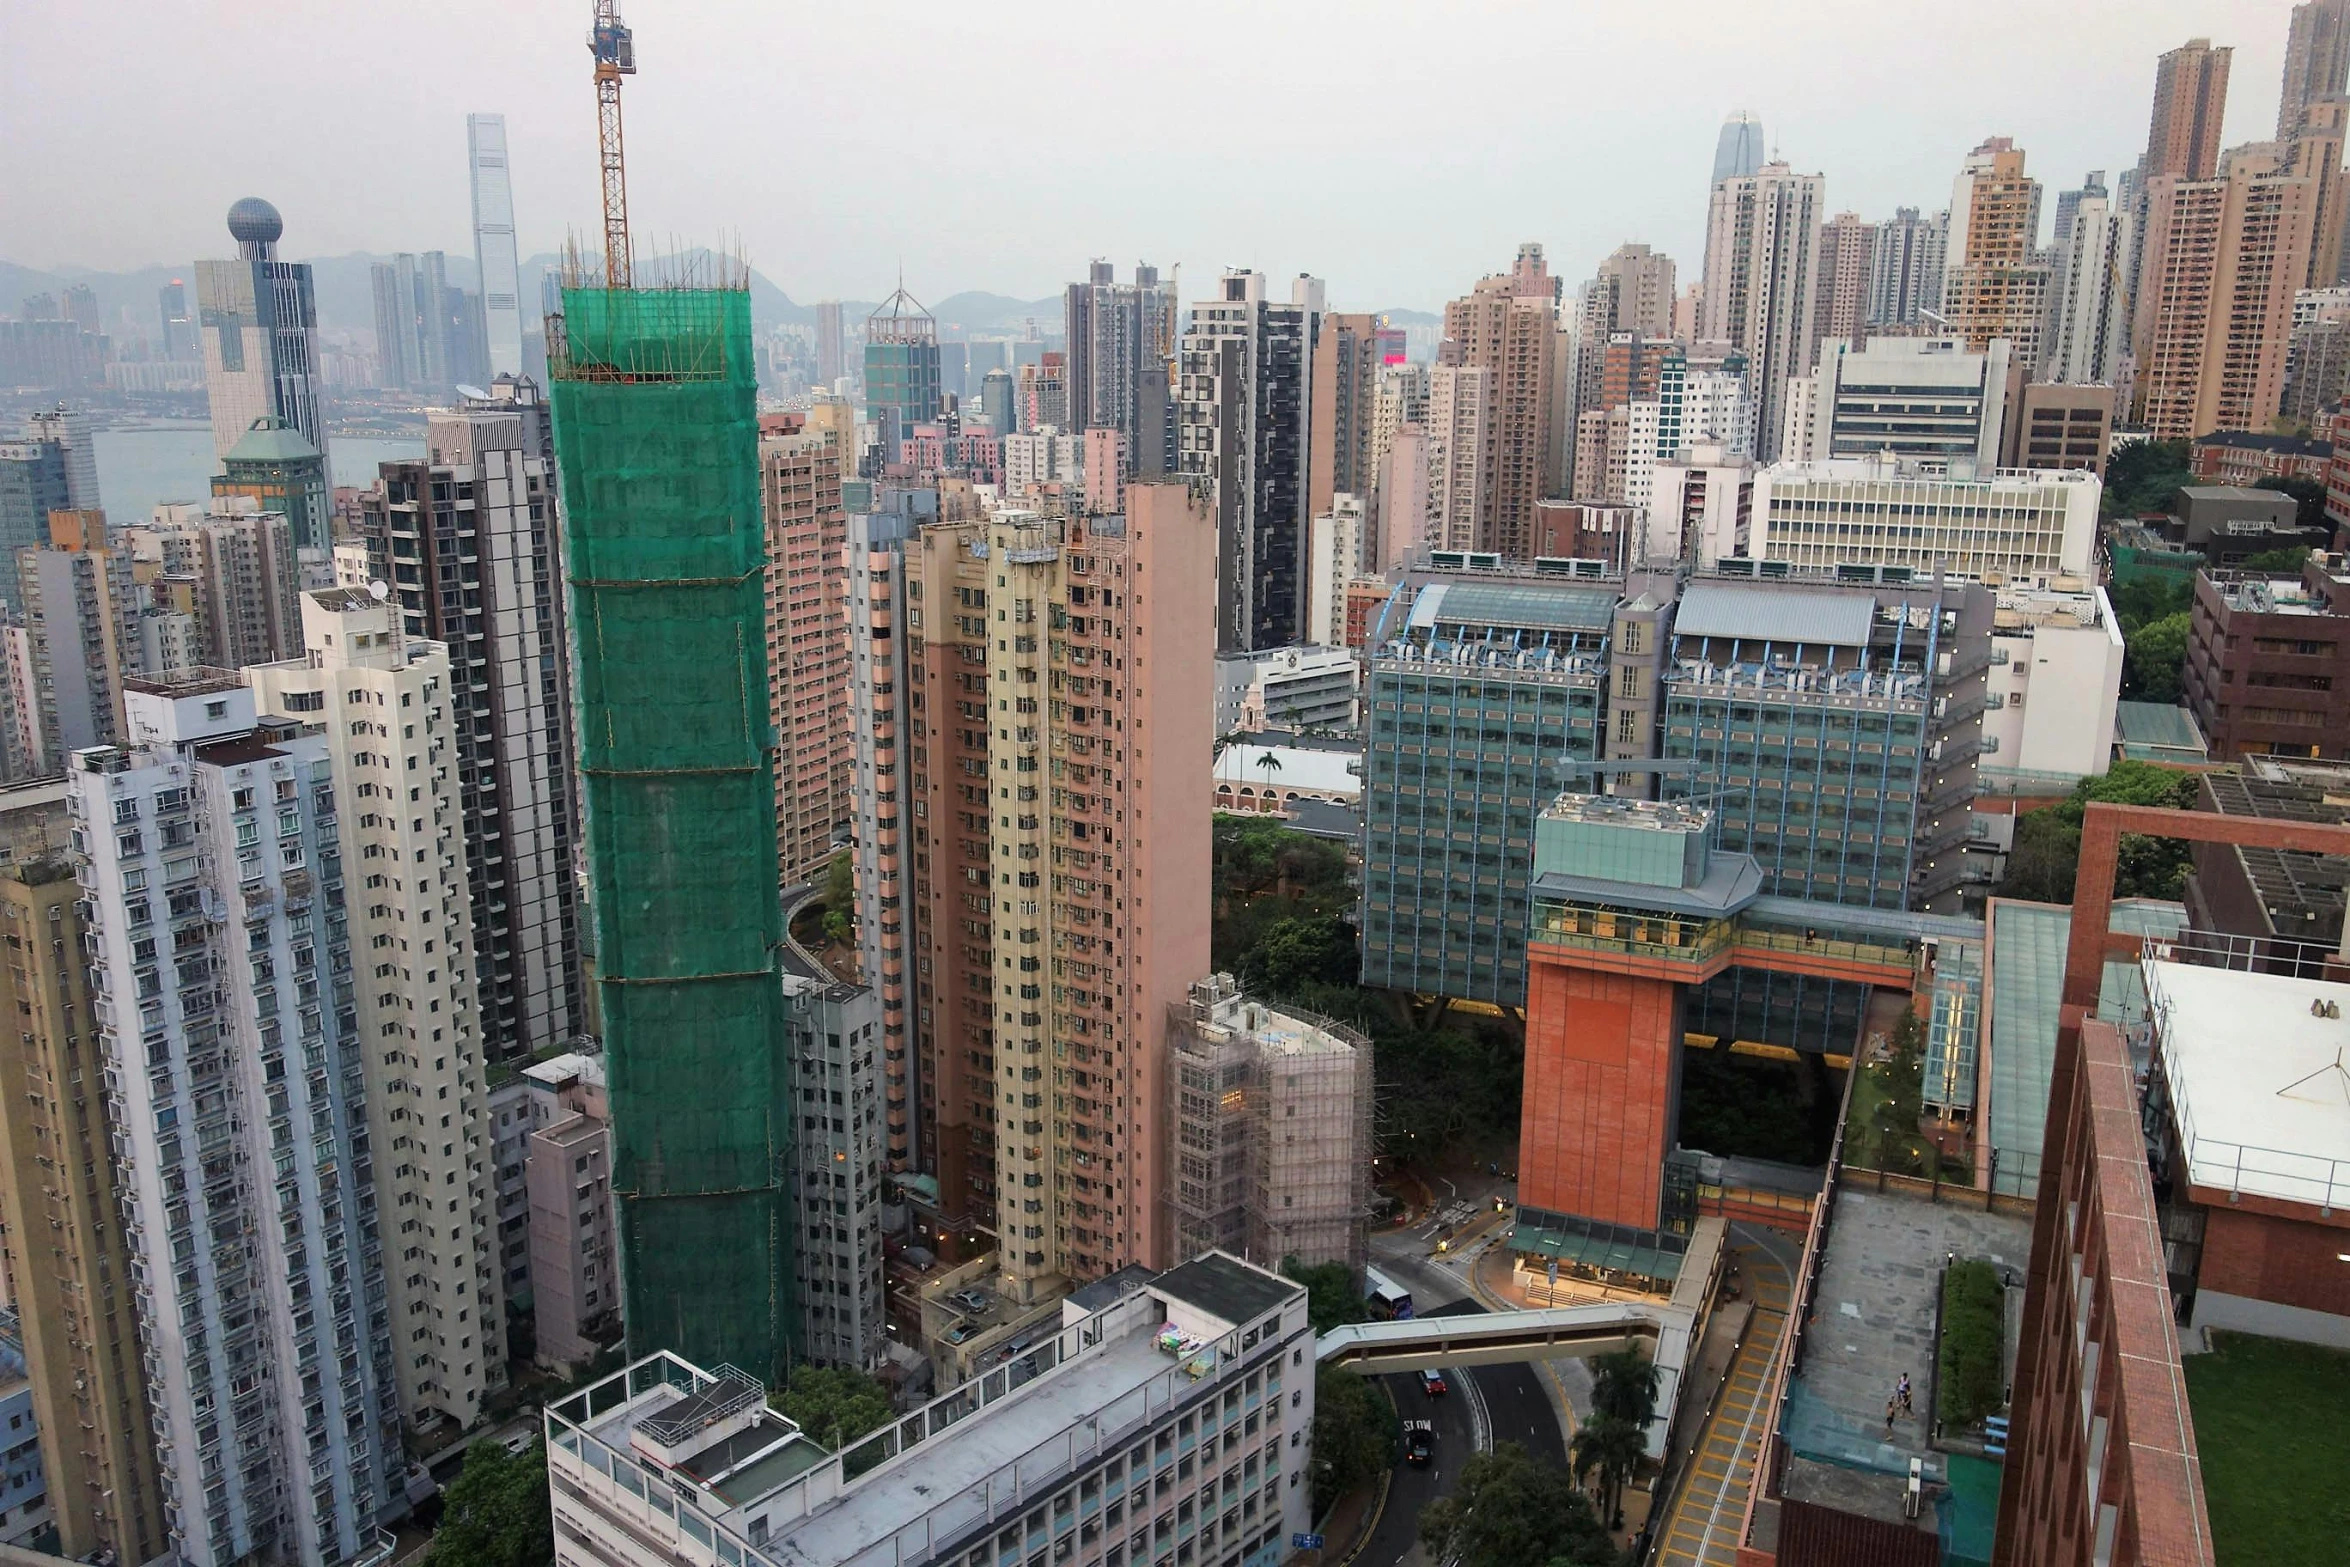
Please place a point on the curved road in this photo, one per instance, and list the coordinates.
(1516, 1409)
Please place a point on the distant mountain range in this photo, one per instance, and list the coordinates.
(346, 297)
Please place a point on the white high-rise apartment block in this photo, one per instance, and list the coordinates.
(1761, 269)
(1459, 406)
(383, 701)
(1700, 507)
(493, 241)
(236, 1077)
(1045, 456)
(1926, 516)
(1339, 552)
(2088, 309)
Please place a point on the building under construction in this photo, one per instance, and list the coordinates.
(1272, 1131)
(656, 435)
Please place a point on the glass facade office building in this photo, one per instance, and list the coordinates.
(1483, 696)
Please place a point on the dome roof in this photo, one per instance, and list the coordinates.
(253, 220)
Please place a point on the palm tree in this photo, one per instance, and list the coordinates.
(1613, 1446)
(1624, 1385)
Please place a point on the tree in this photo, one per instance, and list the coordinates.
(1613, 1447)
(840, 883)
(2309, 501)
(2041, 865)
(1355, 1432)
(1294, 951)
(2048, 842)
(2156, 659)
(497, 1512)
(1513, 1511)
(2151, 596)
(2290, 559)
(1333, 1298)
(834, 1405)
(2146, 476)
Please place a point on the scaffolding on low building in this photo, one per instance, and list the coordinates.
(1272, 1130)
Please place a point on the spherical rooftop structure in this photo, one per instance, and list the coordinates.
(253, 221)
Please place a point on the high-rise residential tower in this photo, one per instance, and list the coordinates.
(500, 271)
(1905, 267)
(1996, 287)
(1508, 325)
(2190, 101)
(1840, 305)
(807, 648)
(1121, 338)
(1242, 429)
(385, 703)
(665, 553)
(2087, 309)
(80, 606)
(260, 324)
(75, 1296)
(224, 999)
(831, 356)
(69, 427)
(2222, 261)
(1345, 403)
(2317, 62)
(1761, 274)
(466, 538)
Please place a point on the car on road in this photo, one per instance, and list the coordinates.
(1432, 1383)
(1419, 1442)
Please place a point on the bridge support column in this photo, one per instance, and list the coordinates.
(1602, 1087)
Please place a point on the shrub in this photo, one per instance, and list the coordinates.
(1974, 1337)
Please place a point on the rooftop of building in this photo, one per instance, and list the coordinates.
(1101, 1372)
(1646, 815)
(2263, 594)
(1285, 768)
(2216, 494)
(2249, 440)
(2059, 603)
(272, 440)
(570, 1067)
(199, 681)
(1560, 606)
(2025, 986)
(1782, 612)
(1875, 1310)
(1219, 1002)
(2157, 732)
(2258, 1090)
(2302, 893)
(1883, 469)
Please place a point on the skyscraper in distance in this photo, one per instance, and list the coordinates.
(260, 321)
(1996, 286)
(2190, 101)
(179, 330)
(493, 241)
(831, 362)
(1905, 267)
(1739, 148)
(901, 370)
(1120, 338)
(1508, 325)
(1847, 271)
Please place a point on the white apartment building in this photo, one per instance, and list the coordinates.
(1336, 554)
(212, 862)
(2055, 679)
(2006, 524)
(2088, 302)
(384, 702)
(1168, 1425)
(1045, 456)
(1700, 507)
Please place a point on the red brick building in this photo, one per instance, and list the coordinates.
(2268, 661)
(2241, 457)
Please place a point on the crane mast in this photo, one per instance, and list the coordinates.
(615, 52)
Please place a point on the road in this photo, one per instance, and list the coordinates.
(1514, 1409)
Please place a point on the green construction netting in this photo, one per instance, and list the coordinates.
(656, 435)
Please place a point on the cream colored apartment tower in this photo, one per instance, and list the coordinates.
(1100, 712)
(383, 700)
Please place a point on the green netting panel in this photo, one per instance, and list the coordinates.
(656, 435)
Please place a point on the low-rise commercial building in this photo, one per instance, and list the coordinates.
(1168, 1423)
(1287, 688)
(2055, 679)
(2266, 659)
(2058, 426)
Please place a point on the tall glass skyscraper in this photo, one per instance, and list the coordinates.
(259, 319)
(901, 370)
(1739, 150)
(493, 241)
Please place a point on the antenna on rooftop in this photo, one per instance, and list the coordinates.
(2340, 1072)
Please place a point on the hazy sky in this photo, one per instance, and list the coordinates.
(1398, 149)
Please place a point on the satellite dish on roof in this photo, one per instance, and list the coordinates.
(474, 392)
(379, 590)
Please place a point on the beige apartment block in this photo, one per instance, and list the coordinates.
(1508, 326)
(807, 641)
(382, 700)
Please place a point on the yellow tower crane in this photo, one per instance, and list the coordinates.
(615, 52)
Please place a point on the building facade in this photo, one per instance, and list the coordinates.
(225, 1002)
(836, 1080)
(1507, 326)
(807, 657)
(1997, 285)
(259, 320)
(1761, 277)
(493, 241)
(466, 540)
(1242, 429)
(2265, 655)
(1818, 516)
(386, 703)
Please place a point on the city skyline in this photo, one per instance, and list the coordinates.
(2077, 101)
